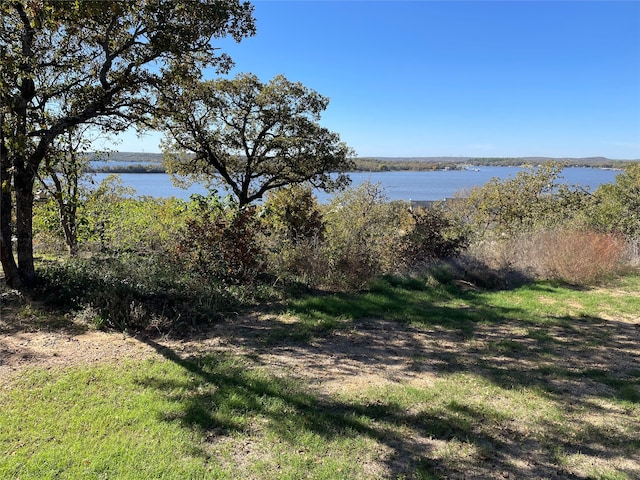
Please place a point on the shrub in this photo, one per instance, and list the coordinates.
(305, 261)
(295, 235)
(221, 241)
(490, 265)
(109, 219)
(47, 232)
(617, 205)
(100, 212)
(532, 200)
(293, 214)
(362, 234)
(48, 237)
(144, 225)
(120, 293)
(433, 236)
(134, 292)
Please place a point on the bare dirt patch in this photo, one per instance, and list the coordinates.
(59, 350)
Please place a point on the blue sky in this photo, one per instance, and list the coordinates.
(455, 78)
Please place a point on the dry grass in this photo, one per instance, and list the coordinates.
(572, 256)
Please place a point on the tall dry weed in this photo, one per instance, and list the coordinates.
(575, 256)
(578, 257)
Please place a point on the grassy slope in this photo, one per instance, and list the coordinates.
(542, 381)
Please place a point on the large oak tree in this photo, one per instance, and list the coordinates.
(65, 64)
(252, 137)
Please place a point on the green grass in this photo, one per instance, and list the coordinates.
(422, 304)
(406, 301)
(93, 423)
(537, 382)
(157, 419)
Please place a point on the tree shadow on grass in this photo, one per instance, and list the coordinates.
(225, 396)
(461, 331)
(580, 364)
(228, 396)
(411, 327)
(406, 302)
(588, 367)
(231, 397)
(580, 357)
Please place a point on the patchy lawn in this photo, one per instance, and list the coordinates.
(408, 380)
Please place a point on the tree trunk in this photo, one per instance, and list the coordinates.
(67, 202)
(68, 220)
(9, 266)
(24, 181)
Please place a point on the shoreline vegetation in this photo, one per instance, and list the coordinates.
(133, 162)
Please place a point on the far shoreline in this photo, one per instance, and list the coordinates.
(134, 162)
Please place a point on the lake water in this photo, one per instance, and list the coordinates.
(407, 186)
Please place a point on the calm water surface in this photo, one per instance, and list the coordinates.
(397, 185)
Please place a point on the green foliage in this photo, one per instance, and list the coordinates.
(533, 199)
(434, 235)
(110, 218)
(63, 179)
(251, 137)
(102, 207)
(345, 245)
(95, 208)
(358, 237)
(68, 64)
(295, 233)
(617, 205)
(362, 233)
(221, 241)
(135, 293)
(145, 225)
(47, 231)
(293, 214)
(534, 226)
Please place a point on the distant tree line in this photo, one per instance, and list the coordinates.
(594, 162)
(132, 168)
(382, 164)
(394, 165)
(143, 165)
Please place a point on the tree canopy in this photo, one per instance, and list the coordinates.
(618, 204)
(533, 198)
(251, 136)
(64, 64)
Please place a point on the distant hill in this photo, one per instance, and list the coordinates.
(428, 163)
(382, 163)
(134, 157)
(491, 160)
